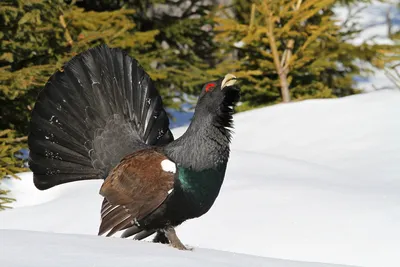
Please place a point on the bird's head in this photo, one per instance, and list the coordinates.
(218, 98)
(205, 144)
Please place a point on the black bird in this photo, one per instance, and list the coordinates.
(101, 117)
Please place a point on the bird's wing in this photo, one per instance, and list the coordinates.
(134, 189)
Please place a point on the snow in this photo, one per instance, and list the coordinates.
(49, 250)
(312, 181)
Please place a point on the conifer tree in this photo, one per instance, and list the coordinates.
(171, 40)
(291, 49)
(10, 162)
(183, 51)
(37, 38)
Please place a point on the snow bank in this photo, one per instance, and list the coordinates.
(313, 181)
(49, 250)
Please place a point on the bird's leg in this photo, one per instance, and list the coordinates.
(160, 238)
(173, 238)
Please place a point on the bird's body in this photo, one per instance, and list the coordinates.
(101, 118)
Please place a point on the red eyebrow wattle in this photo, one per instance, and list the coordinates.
(209, 86)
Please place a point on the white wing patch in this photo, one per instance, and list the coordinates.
(168, 166)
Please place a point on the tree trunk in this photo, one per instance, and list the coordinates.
(282, 71)
(284, 86)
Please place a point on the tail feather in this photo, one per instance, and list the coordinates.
(100, 108)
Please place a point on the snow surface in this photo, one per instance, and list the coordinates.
(312, 181)
(62, 250)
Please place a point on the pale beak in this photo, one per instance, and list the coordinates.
(229, 80)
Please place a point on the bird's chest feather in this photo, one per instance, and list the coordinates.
(199, 189)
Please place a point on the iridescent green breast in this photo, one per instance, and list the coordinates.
(202, 187)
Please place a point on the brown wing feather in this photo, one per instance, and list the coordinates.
(133, 189)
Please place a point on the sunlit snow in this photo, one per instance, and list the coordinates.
(313, 181)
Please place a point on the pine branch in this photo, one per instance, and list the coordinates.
(67, 34)
(269, 20)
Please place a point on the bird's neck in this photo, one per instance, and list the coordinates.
(205, 144)
(201, 155)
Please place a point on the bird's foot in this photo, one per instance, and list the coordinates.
(174, 240)
(161, 237)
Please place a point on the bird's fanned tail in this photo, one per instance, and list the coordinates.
(99, 108)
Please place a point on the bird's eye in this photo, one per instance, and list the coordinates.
(210, 86)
